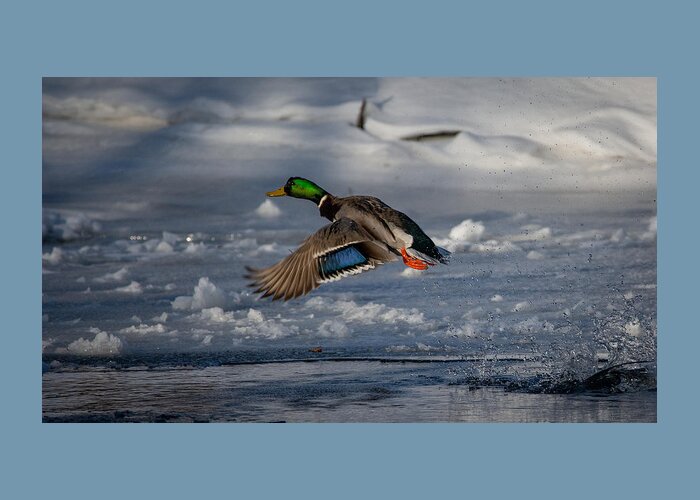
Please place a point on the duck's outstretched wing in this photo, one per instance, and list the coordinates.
(337, 250)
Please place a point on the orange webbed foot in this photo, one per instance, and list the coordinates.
(412, 262)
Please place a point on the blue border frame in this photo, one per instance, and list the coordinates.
(360, 38)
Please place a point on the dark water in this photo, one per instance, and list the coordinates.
(342, 390)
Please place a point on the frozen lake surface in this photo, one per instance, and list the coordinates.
(154, 203)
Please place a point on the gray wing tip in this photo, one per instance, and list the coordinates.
(445, 255)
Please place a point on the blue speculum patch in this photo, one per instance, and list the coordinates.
(340, 260)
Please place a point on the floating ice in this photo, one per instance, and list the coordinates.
(462, 235)
(53, 258)
(104, 344)
(368, 313)
(533, 232)
(170, 238)
(333, 328)
(206, 295)
(268, 210)
(134, 287)
(164, 247)
(468, 231)
(216, 315)
(193, 248)
(410, 273)
(250, 324)
(255, 316)
(618, 236)
(650, 233)
(68, 227)
(119, 275)
(535, 255)
(255, 325)
(495, 246)
(522, 306)
(143, 329)
(160, 319)
(496, 298)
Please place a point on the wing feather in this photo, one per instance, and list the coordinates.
(300, 272)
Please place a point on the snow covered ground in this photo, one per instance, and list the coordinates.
(544, 189)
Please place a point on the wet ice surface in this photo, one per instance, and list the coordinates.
(154, 203)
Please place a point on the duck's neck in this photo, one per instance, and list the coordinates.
(328, 207)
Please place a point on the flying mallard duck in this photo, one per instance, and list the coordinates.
(364, 232)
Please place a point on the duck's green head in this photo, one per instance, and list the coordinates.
(298, 187)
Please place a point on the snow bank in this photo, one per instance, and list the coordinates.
(103, 344)
(102, 112)
(206, 295)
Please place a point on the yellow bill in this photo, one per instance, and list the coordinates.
(277, 192)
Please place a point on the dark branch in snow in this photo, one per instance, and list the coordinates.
(362, 115)
(443, 134)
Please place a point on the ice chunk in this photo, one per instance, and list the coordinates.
(206, 295)
(164, 247)
(216, 315)
(119, 275)
(535, 255)
(268, 210)
(522, 306)
(650, 233)
(333, 328)
(467, 231)
(104, 344)
(143, 329)
(68, 227)
(134, 287)
(53, 258)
